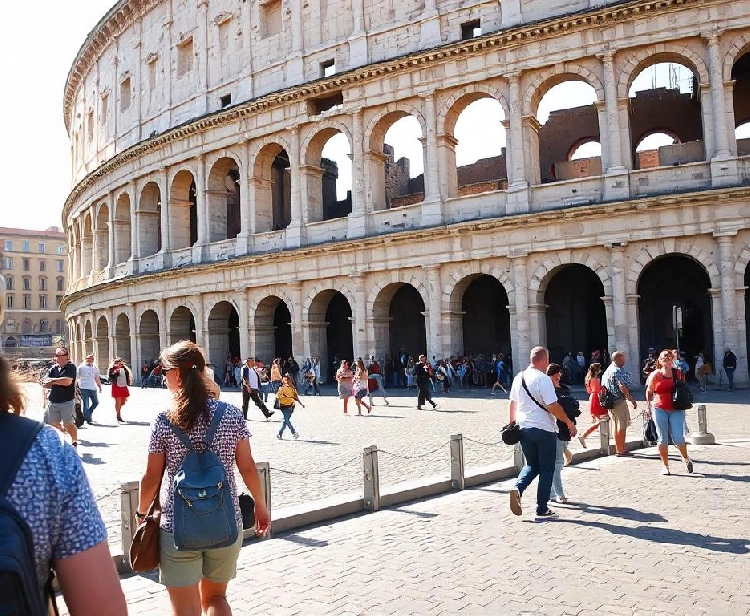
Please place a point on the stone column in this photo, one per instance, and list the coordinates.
(517, 178)
(613, 144)
(728, 293)
(448, 171)
(522, 344)
(244, 323)
(358, 39)
(620, 320)
(298, 192)
(295, 295)
(244, 242)
(716, 324)
(111, 234)
(609, 318)
(161, 180)
(357, 222)
(718, 104)
(538, 324)
(161, 314)
(432, 206)
(250, 324)
(633, 360)
(295, 65)
(742, 351)
(135, 337)
(201, 46)
(434, 293)
(135, 252)
(200, 323)
(361, 345)
(201, 208)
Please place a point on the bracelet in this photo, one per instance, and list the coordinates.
(139, 516)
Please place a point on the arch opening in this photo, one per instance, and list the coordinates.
(123, 250)
(330, 330)
(223, 335)
(399, 310)
(741, 103)
(149, 330)
(183, 211)
(404, 162)
(647, 150)
(272, 183)
(328, 176)
(576, 319)
(664, 98)
(122, 339)
(149, 220)
(666, 282)
(101, 258)
(273, 329)
(223, 196)
(181, 325)
(486, 318)
(102, 342)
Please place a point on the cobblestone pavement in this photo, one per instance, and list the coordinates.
(327, 460)
(637, 543)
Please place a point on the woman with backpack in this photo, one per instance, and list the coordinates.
(120, 377)
(195, 573)
(593, 387)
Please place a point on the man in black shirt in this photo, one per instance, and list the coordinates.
(251, 388)
(422, 375)
(730, 365)
(61, 406)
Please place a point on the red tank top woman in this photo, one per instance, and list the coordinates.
(593, 387)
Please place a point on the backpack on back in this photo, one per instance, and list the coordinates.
(20, 593)
(203, 515)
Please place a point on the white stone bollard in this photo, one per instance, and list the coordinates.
(371, 478)
(128, 506)
(518, 460)
(702, 436)
(264, 472)
(604, 435)
(457, 461)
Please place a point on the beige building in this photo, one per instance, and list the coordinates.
(202, 204)
(34, 266)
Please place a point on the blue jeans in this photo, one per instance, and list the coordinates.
(89, 401)
(540, 449)
(557, 486)
(287, 411)
(669, 423)
(730, 377)
(265, 389)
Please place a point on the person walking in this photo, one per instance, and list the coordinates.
(570, 405)
(375, 380)
(275, 374)
(287, 396)
(251, 389)
(315, 369)
(669, 422)
(119, 376)
(617, 380)
(423, 381)
(61, 406)
(730, 365)
(701, 371)
(359, 387)
(196, 580)
(499, 370)
(593, 387)
(345, 379)
(534, 406)
(89, 382)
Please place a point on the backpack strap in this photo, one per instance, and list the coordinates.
(218, 414)
(17, 434)
(523, 383)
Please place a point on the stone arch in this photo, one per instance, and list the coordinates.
(330, 325)
(179, 324)
(232, 153)
(547, 79)
(258, 144)
(656, 54)
(739, 47)
(222, 335)
(101, 230)
(272, 339)
(409, 329)
(87, 244)
(223, 195)
(148, 219)
(740, 267)
(308, 309)
(183, 208)
(271, 180)
(122, 337)
(544, 272)
(102, 341)
(459, 279)
(149, 329)
(122, 230)
(379, 124)
(317, 135)
(401, 276)
(461, 98)
(88, 337)
(671, 246)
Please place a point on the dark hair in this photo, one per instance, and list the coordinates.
(11, 395)
(594, 372)
(191, 399)
(553, 369)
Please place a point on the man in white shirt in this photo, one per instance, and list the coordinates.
(89, 382)
(535, 408)
(251, 388)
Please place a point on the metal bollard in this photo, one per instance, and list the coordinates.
(371, 478)
(604, 435)
(703, 436)
(128, 506)
(518, 460)
(457, 461)
(264, 472)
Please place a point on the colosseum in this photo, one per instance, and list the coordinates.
(204, 205)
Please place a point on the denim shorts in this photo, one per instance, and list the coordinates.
(669, 423)
(178, 569)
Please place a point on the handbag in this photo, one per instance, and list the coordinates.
(606, 399)
(649, 432)
(511, 434)
(276, 404)
(682, 397)
(144, 550)
(247, 507)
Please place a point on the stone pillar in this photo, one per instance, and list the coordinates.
(517, 178)
(200, 323)
(522, 344)
(531, 128)
(716, 323)
(201, 47)
(718, 104)
(609, 317)
(243, 242)
(742, 351)
(298, 192)
(357, 222)
(633, 360)
(201, 208)
(538, 324)
(514, 343)
(430, 27)
(161, 180)
(135, 339)
(446, 155)
(361, 343)
(100, 238)
(249, 334)
(134, 249)
(295, 295)
(613, 144)
(161, 314)
(244, 322)
(111, 234)
(434, 293)
(295, 65)
(619, 301)
(728, 293)
(432, 206)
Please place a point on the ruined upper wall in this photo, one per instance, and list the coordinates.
(151, 65)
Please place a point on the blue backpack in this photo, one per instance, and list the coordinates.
(204, 515)
(20, 593)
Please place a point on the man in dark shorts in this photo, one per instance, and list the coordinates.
(61, 406)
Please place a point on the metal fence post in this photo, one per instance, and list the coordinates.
(703, 436)
(457, 461)
(264, 471)
(128, 506)
(518, 460)
(371, 478)
(604, 435)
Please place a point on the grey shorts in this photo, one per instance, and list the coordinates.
(61, 412)
(178, 569)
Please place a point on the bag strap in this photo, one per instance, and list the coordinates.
(17, 434)
(523, 383)
(218, 414)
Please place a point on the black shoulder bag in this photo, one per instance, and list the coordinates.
(682, 397)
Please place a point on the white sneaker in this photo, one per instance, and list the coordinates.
(665, 471)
